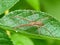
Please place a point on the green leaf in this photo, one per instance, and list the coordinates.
(21, 5)
(39, 41)
(20, 21)
(6, 4)
(4, 39)
(19, 39)
(34, 3)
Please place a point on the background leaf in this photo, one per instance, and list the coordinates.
(52, 7)
(6, 4)
(39, 41)
(19, 39)
(21, 5)
(4, 39)
(34, 3)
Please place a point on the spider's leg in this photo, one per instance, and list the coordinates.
(38, 29)
(22, 25)
(48, 31)
(24, 18)
(43, 19)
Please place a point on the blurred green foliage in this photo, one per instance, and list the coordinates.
(50, 6)
(21, 39)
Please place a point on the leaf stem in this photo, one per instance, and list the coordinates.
(6, 12)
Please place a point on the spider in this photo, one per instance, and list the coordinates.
(38, 24)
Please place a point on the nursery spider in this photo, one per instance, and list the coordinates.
(38, 24)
